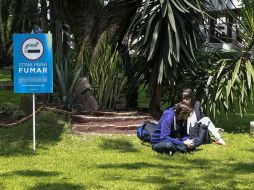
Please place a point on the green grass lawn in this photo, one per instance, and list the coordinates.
(74, 162)
(5, 75)
(65, 161)
(9, 96)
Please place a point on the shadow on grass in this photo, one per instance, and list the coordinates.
(227, 176)
(223, 178)
(153, 179)
(31, 173)
(57, 186)
(120, 145)
(138, 165)
(2, 186)
(243, 167)
(174, 177)
(129, 166)
(251, 150)
(234, 123)
(174, 174)
(18, 140)
(165, 180)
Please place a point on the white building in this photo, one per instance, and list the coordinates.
(223, 27)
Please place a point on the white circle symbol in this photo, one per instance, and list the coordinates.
(32, 49)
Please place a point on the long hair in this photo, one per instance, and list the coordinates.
(187, 93)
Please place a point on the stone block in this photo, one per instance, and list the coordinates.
(252, 129)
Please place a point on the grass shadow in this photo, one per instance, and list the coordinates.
(251, 150)
(128, 166)
(242, 168)
(31, 173)
(199, 163)
(120, 145)
(221, 180)
(234, 123)
(2, 186)
(57, 186)
(166, 180)
(18, 140)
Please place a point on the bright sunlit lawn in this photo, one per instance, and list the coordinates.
(67, 161)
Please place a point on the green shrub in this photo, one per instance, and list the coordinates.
(7, 108)
(107, 76)
(18, 114)
(66, 80)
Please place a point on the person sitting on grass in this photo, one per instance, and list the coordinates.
(168, 137)
(197, 116)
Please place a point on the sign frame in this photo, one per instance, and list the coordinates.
(33, 74)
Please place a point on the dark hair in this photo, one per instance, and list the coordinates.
(182, 109)
(187, 92)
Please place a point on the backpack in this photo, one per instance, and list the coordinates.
(195, 132)
(144, 132)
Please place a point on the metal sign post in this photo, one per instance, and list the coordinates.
(33, 66)
(33, 121)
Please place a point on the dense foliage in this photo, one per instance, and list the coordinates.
(162, 36)
(231, 76)
(166, 32)
(107, 76)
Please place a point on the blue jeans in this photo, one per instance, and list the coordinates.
(167, 147)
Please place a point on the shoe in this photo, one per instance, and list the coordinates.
(221, 142)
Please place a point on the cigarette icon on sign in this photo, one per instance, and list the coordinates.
(32, 48)
(33, 51)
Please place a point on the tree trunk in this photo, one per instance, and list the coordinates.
(91, 22)
(44, 98)
(156, 90)
(56, 26)
(44, 19)
(154, 105)
(83, 18)
(4, 44)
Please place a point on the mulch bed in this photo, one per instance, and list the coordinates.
(114, 126)
(109, 122)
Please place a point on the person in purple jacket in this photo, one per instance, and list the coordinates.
(168, 137)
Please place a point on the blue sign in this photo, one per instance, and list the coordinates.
(33, 63)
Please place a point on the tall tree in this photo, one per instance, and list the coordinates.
(166, 33)
(44, 15)
(5, 7)
(91, 20)
(17, 16)
(56, 25)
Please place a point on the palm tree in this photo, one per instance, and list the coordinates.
(16, 16)
(166, 33)
(232, 77)
(4, 18)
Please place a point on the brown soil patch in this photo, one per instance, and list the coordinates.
(109, 122)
